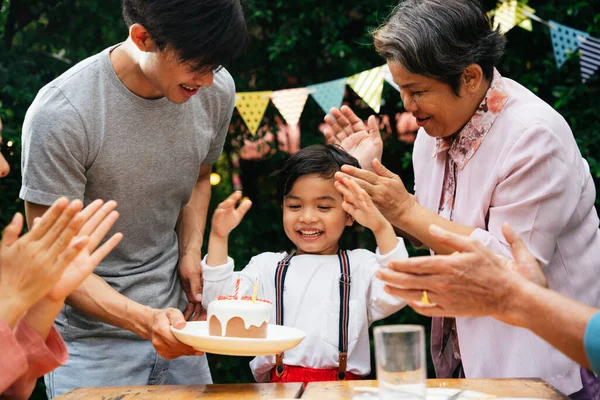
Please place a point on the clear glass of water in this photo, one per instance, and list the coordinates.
(400, 359)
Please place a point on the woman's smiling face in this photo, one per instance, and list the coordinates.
(433, 103)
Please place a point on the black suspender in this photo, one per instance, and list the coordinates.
(345, 281)
(344, 316)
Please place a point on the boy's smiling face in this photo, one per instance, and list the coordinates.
(313, 217)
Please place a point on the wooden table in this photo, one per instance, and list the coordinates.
(498, 387)
(317, 390)
(244, 391)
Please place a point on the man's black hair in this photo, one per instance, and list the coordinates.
(205, 33)
(318, 159)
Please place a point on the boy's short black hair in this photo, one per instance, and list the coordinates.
(322, 160)
(206, 33)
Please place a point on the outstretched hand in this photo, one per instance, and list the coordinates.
(229, 214)
(385, 188)
(472, 282)
(30, 265)
(99, 219)
(359, 205)
(345, 129)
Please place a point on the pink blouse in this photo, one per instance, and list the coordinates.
(24, 357)
(528, 171)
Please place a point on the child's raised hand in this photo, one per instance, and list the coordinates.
(227, 216)
(359, 204)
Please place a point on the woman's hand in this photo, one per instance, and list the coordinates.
(31, 265)
(227, 216)
(472, 282)
(385, 189)
(359, 205)
(98, 221)
(345, 129)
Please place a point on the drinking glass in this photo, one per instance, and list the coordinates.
(400, 359)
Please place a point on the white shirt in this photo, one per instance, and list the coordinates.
(312, 303)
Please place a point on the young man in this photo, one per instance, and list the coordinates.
(140, 123)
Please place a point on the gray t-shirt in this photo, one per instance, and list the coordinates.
(86, 136)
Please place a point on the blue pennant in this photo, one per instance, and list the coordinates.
(590, 57)
(565, 40)
(328, 94)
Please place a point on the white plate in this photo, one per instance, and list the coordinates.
(279, 338)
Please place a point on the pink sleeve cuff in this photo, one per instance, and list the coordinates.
(491, 242)
(42, 357)
(13, 361)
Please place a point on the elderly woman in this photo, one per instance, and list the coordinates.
(488, 151)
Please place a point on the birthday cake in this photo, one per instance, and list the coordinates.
(238, 317)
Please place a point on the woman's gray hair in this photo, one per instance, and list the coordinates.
(439, 39)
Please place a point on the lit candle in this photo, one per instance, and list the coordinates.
(255, 291)
(237, 288)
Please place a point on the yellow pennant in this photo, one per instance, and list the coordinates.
(252, 106)
(369, 86)
(510, 14)
(522, 19)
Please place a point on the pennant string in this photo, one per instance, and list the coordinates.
(538, 19)
(369, 84)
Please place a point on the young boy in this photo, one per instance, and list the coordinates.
(305, 287)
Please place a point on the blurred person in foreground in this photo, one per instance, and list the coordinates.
(37, 272)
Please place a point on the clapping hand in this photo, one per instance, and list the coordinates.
(472, 282)
(30, 265)
(227, 216)
(345, 129)
(359, 205)
(385, 188)
(99, 218)
(56, 255)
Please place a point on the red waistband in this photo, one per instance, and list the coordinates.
(292, 373)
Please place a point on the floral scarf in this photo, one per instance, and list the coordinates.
(461, 147)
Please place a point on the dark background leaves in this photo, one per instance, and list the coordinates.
(294, 44)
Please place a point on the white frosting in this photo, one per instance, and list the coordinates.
(253, 314)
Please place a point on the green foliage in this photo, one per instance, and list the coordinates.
(294, 43)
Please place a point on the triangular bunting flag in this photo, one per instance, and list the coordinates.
(290, 103)
(565, 40)
(369, 86)
(510, 14)
(522, 18)
(527, 25)
(505, 16)
(590, 57)
(328, 94)
(252, 106)
(387, 75)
